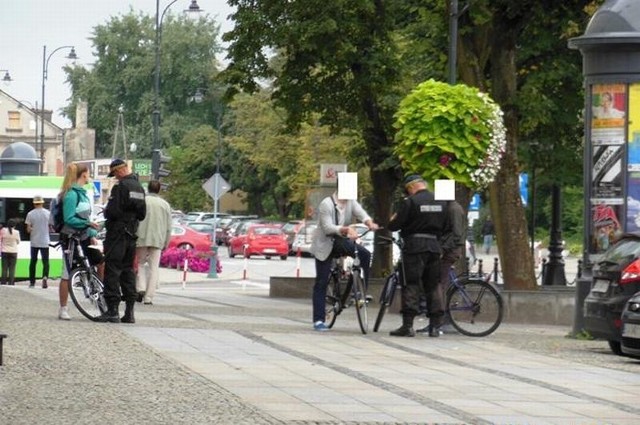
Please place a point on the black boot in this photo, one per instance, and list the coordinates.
(128, 312)
(406, 329)
(111, 315)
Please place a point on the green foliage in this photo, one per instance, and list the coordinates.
(447, 132)
(123, 76)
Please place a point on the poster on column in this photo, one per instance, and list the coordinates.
(606, 174)
(605, 223)
(607, 114)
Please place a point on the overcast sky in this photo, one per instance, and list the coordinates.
(28, 25)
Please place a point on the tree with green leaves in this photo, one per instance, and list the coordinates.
(351, 61)
(336, 59)
(122, 78)
(259, 154)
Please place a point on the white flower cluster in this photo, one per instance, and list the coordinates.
(489, 167)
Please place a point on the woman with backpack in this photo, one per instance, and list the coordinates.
(76, 214)
(10, 240)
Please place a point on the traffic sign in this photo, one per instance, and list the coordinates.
(216, 186)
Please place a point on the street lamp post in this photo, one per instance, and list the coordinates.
(193, 7)
(6, 78)
(45, 67)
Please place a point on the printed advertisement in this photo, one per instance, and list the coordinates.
(633, 148)
(633, 202)
(606, 175)
(608, 114)
(605, 224)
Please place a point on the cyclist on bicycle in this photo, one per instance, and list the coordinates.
(421, 221)
(334, 217)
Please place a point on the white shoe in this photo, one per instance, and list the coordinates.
(63, 314)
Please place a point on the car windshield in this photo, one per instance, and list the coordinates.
(625, 250)
(191, 217)
(267, 231)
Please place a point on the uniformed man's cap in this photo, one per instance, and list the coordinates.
(412, 179)
(115, 164)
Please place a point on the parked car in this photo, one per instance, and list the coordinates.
(616, 278)
(630, 343)
(201, 216)
(302, 240)
(260, 239)
(183, 237)
(368, 241)
(290, 229)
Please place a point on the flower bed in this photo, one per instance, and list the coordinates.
(198, 261)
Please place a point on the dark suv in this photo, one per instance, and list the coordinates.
(616, 277)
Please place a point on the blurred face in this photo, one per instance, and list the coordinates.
(83, 179)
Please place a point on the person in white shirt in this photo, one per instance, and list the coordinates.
(37, 223)
(10, 240)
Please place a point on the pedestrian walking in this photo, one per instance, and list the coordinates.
(76, 217)
(9, 244)
(124, 210)
(421, 221)
(487, 235)
(153, 234)
(37, 223)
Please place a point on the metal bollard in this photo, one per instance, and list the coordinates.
(480, 267)
(495, 270)
(213, 262)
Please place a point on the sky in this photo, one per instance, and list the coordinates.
(28, 25)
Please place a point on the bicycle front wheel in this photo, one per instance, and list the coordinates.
(386, 299)
(332, 301)
(359, 296)
(87, 293)
(474, 307)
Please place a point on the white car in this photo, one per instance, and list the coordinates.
(368, 238)
(302, 239)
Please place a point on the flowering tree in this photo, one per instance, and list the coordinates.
(450, 132)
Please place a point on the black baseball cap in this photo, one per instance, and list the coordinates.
(115, 164)
(412, 179)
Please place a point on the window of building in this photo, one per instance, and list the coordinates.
(15, 123)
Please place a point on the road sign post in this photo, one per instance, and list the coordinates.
(215, 186)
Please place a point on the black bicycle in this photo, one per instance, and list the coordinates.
(474, 307)
(85, 287)
(345, 288)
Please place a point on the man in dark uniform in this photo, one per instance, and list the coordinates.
(421, 221)
(452, 244)
(125, 209)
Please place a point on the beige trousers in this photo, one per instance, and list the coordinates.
(148, 269)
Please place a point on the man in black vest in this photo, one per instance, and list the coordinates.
(125, 209)
(421, 221)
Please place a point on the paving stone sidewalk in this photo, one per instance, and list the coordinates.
(79, 372)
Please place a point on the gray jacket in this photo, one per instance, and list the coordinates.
(322, 243)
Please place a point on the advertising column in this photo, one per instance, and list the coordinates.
(608, 142)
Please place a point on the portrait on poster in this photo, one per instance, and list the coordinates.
(608, 105)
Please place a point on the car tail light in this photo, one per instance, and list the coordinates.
(631, 273)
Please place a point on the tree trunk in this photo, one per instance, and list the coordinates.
(506, 205)
(384, 182)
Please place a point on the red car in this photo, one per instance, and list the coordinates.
(184, 237)
(260, 239)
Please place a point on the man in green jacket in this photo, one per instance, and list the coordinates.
(153, 236)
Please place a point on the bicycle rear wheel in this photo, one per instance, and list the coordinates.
(359, 296)
(87, 293)
(386, 298)
(474, 307)
(332, 301)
